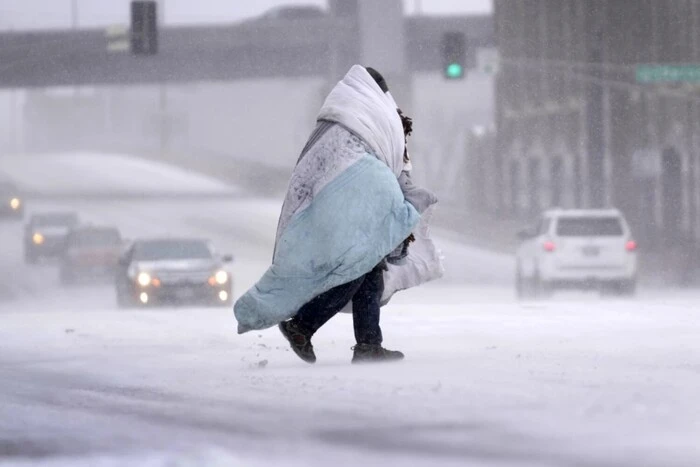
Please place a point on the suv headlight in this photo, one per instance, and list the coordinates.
(221, 277)
(144, 279)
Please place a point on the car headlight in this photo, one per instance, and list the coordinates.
(144, 279)
(15, 203)
(221, 277)
(37, 238)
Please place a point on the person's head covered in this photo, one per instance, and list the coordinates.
(406, 121)
(361, 102)
(378, 78)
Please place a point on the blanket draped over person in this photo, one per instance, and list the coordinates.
(344, 210)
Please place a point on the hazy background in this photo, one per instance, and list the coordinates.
(35, 14)
(226, 118)
(552, 117)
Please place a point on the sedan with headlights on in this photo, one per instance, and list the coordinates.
(174, 271)
(45, 234)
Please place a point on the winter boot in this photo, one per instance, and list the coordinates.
(299, 340)
(368, 353)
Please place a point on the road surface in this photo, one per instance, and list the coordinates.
(575, 381)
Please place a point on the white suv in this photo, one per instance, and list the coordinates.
(577, 248)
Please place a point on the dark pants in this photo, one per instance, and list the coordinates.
(365, 293)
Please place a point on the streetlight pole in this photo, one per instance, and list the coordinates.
(12, 136)
(165, 121)
(596, 113)
(12, 125)
(74, 26)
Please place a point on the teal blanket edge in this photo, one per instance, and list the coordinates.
(348, 228)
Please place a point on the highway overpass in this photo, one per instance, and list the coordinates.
(252, 49)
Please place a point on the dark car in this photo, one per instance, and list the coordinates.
(172, 271)
(90, 253)
(11, 202)
(45, 234)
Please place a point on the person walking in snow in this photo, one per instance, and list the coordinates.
(348, 216)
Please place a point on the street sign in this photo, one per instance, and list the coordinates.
(668, 73)
(117, 38)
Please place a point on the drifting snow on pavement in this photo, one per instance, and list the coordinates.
(105, 173)
(595, 383)
(487, 381)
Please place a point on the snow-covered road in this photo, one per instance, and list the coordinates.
(576, 381)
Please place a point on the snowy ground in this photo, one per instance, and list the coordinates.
(96, 173)
(577, 381)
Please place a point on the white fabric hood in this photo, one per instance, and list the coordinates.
(358, 103)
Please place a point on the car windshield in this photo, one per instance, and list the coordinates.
(95, 238)
(172, 250)
(58, 220)
(589, 227)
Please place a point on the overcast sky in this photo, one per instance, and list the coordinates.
(23, 14)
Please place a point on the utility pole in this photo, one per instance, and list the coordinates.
(595, 109)
(74, 26)
(164, 121)
(12, 124)
(163, 93)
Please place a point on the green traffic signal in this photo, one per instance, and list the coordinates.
(454, 71)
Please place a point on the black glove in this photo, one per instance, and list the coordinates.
(398, 256)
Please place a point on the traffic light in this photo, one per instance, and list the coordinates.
(144, 28)
(454, 48)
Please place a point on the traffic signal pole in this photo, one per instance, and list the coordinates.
(164, 129)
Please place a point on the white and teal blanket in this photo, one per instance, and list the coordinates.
(344, 210)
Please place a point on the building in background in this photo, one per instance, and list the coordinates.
(582, 123)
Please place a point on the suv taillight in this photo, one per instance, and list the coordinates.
(631, 245)
(549, 246)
